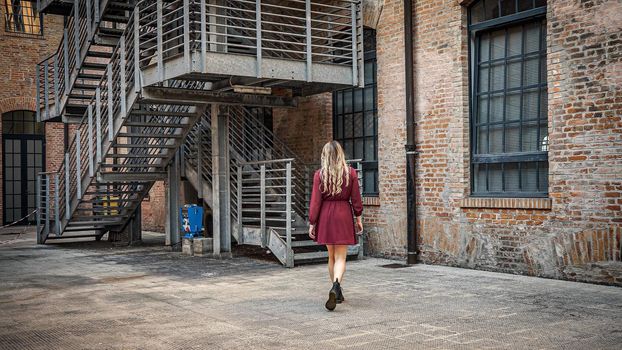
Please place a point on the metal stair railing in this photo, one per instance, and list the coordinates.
(303, 30)
(250, 138)
(57, 73)
(268, 182)
(96, 132)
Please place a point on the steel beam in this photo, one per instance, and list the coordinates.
(162, 94)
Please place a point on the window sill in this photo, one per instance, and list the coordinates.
(371, 201)
(507, 203)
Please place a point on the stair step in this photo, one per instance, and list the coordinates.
(115, 32)
(81, 86)
(99, 54)
(74, 236)
(87, 218)
(108, 201)
(94, 222)
(115, 18)
(94, 66)
(123, 145)
(162, 113)
(310, 256)
(120, 4)
(105, 165)
(156, 125)
(155, 136)
(81, 96)
(305, 243)
(89, 76)
(130, 177)
(136, 156)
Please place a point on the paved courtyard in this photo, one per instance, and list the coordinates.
(94, 296)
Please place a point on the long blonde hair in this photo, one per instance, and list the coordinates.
(334, 168)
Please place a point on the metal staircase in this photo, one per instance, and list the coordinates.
(67, 79)
(137, 77)
(269, 173)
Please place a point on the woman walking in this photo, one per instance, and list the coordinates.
(334, 199)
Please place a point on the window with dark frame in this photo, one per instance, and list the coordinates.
(509, 135)
(355, 119)
(23, 17)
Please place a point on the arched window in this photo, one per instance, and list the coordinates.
(509, 137)
(355, 119)
(23, 157)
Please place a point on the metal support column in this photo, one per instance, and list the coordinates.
(262, 206)
(220, 183)
(173, 238)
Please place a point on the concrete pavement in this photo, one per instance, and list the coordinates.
(94, 296)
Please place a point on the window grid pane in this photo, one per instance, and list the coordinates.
(355, 123)
(509, 118)
(21, 16)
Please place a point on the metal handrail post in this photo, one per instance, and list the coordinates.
(240, 228)
(38, 214)
(288, 214)
(262, 194)
(47, 205)
(67, 188)
(78, 166)
(56, 205)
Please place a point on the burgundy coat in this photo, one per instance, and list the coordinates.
(332, 216)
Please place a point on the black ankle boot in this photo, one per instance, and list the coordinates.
(340, 298)
(331, 303)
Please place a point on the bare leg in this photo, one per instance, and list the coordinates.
(331, 260)
(339, 266)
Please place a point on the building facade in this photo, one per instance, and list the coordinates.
(27, 146)
(518, 111)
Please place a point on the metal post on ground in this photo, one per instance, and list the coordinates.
(220, 183)
(173, 237)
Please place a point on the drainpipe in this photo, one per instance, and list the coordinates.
(411, 195)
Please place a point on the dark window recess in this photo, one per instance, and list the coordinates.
(509, 102)
(355, 119)
(22, 17)
(485, 10)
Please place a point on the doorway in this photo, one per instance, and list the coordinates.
(23, 157)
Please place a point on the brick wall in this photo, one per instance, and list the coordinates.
(575, 233)
(385, 217)
(18, 59)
